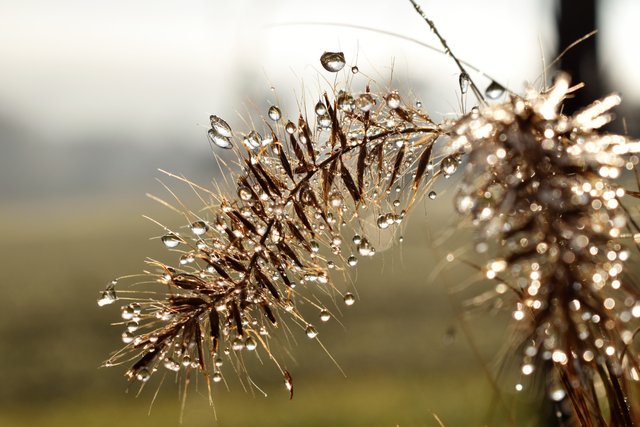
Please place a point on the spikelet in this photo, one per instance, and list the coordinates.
(249, 261)
(546, 188)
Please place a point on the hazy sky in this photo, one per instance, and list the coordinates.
(151, 71)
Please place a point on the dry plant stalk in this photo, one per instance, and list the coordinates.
(543, 190)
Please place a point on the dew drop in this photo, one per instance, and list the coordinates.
(382, 222)
(237, 344)
(245, 193)
(320, 108)
(199, 228)
(449, 166)
(217, 377)
(253, 140)
(349, 299)
(352, 261)
(463, 81)
(171, 364)
(170, 240)
(332, 61)
(494, 91)
(274, 113)
(364, 248)
(324, 121)
(356, 239)
(108, 296)
(325, 315)
(143, 375)
(346, 102)
(250, 344)
(311, 331)
(290, 128)
(433, 195)
(315, 247)
(221, 127)
(557, 394)
(219, 140)
(364, 102)
(355, 69)
(393, 100)
(127, 337)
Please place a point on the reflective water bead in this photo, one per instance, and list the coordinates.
(219, 140)
(355, 69)
(349, 299)
(245, 193)
(220, 126)
(449, 166)
(143, 375)
(393, 100)
(494, 91)
(352, 261)
(237, 344)
(325, 315)
(356, 239)
(463, 81)
(324, 121)
(199, 228)
(171, 364)
(364, 102)
(382, 222)
(290, 128)
(364, 248)
(250, 344)
(346, 102)
(108, 296)
(127, 337)
(433, 195)
(253, 140)
(217, 377)
(274, 113)
(311, 331)
(315, 247)
(332, 61)
(171, 240)
(320, 108)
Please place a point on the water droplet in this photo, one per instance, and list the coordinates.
(364, 102)
(311, 331)
(557, 394)
(237, 344)
(108, 296)
(324, 121)
(250, 344)
(274, 113)
(494, 91)
(418, 104)
(352, 261)
(382, 222)
(393, 100)
(171, 364)
(333, 61)
(143, 375)
(127, 337)
(320, 108)
(449, 166)
(245, 193)
(171, 240)
(290, 128)
(199, 228)
(349, 299)
(433, 195)
(355, 69)
(218, 362)
(463, 81)
(219, 140)
(253, 140)
(346, 102)
(217, 377)
(132, 326)
(315, 247)
(325, 315)
(364, 248)
(220, 126)
(356, 239)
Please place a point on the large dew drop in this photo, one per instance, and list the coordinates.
(199, 228)
(220, 126)
(252, 141)
(332, 61)
(274, 113)
(349, 299)
(464, 81)
(108, 296)
(449, 166)
(311, 331)
(171, 240)
(219, 140)
(494, 91)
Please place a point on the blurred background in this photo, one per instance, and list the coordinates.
(95, 96)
